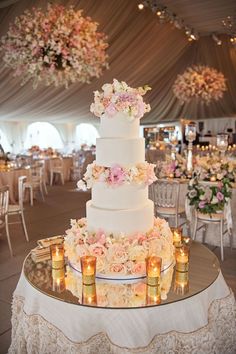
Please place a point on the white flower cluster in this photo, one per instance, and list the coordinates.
(56, 47)
(201, 82)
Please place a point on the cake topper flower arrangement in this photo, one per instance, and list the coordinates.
(199, 81)
(56, 47)
(119, 97)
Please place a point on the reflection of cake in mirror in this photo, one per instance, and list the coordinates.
(117, 294)
(120, 228)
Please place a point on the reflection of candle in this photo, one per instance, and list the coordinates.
(181, 285)
(153, 295)
(153, 270)
(88, 268)
(57, 255)
(58, 280)
(177, 236)
(182, 259)
(213, 179)
(89, 296)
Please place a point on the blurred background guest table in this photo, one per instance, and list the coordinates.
(52, 313)
(9, 176)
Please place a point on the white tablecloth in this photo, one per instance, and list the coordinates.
(204, 323)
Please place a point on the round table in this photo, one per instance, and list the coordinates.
(53, 313)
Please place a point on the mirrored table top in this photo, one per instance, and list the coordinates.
(66, 284)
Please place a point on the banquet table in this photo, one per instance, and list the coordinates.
(49, 320)
(10, 178)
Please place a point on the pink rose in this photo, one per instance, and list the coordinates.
(201, 205)
(118, 268)
(138, 268)
(97, 250)
(219, 196)
(100, 237)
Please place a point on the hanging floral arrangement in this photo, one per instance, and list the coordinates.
(56, 47)
(201, 82)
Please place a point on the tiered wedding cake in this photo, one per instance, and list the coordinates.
(120, 228)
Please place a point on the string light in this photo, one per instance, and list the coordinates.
(164, 15)
(140, 6)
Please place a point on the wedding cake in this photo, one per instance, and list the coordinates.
(120, 228)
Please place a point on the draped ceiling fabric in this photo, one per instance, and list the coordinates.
(141, 51)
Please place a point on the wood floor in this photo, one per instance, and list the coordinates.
(47, 219)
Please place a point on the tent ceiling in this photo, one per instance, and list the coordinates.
(141, 51)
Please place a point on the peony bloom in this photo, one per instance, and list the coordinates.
(116, 175)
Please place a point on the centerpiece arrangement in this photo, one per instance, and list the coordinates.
(214, 168)
(209, 198)
(56, 47)
(172, 168)
(201, 82)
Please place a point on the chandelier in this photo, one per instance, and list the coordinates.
(57, 47)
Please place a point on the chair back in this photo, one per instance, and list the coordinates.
(165, 193)
(56, 163)
(4, 201)
(21, 181)
(36, 174)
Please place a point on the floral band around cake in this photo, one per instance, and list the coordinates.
(122, 254)
(119, 97)
(116, 175)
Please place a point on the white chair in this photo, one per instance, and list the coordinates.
(41, 163)
(165, 195)
(9, 210)
(4, 203)
(217, 219)
(35, 182)
(56, 168)
(76, 169)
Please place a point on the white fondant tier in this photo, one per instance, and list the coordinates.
(127, 221)
(119, 126)
(126, 196)
(119, 151)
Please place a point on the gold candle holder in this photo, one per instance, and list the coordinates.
(186, 241)
(177, 236)
(182, 259)
(88, 268)
(58, 280)
(181, 285)
(57, 255)
(153, 270)
(89, 296)
(153, 295)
